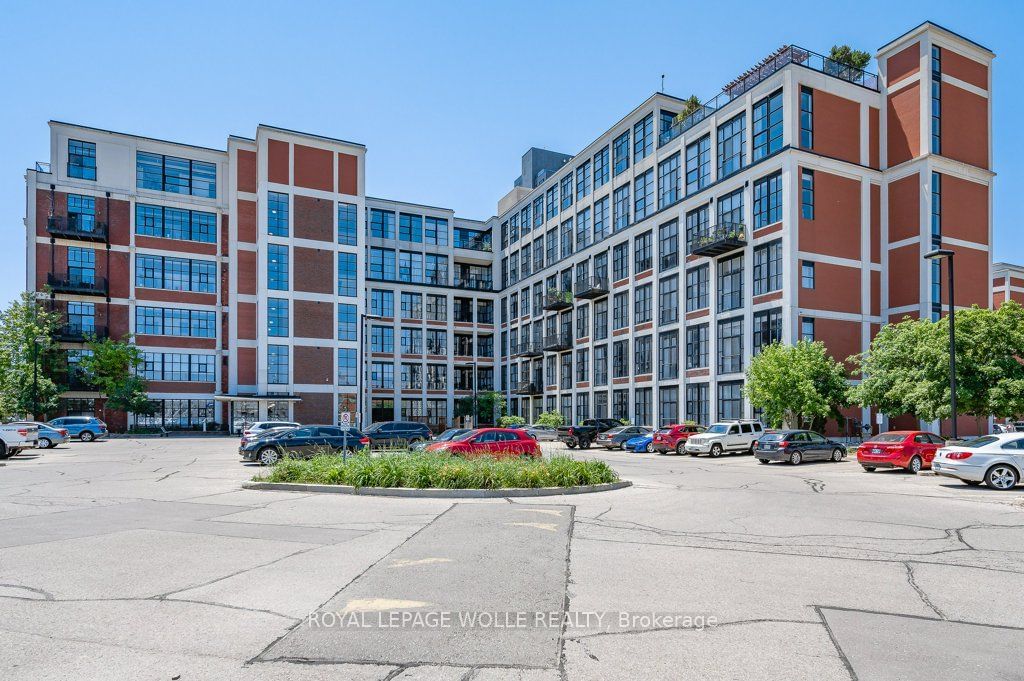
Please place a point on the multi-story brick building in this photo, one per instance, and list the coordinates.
(1007, 283)
(633, 279)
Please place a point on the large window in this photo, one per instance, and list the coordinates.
(158, 321)
(175, 274)
(382, 224)
(730, 401)
(277, 267)
(767, 328)
(768, 200)
(696, 225)
(730, 209)
(348, 371)
(177, 366)
(601, 365)
(668, 245)
(347, 319)
(668, 181)
(668, 300)
(382, 264)
(436, 231)
(601, 169)
(382, 339)
(768, 267)
(730, 284)
(82, 212)
(582, 233)
(732, 145)
(621, 207)
(175, 223)
(565, 187)
(347, 224)
(730, 346)
(643, 406)
(277, 214)
(410, 227)
(643, 195)
(642, 304)
(620, 152)
(643, 138)
(601, 223)
(697, 405)
(668, 355)
(412, 306)
(698, 164)
(620, 261)
(348, 275)
(81, 160)
(668, 406)
(175, 175)
(643, 256)
(620, 310)
(697, 346)
(601, 319)
(936, 110)
(583, 186)
(620, 359)
(277, 317)
(697, 288)
(767, 121)
(806, 117)
(382, 303)
(807, 194)
(551, 200)
(807, 274)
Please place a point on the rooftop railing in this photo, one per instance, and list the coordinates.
(789, 55)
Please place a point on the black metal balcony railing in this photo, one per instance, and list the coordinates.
(530, 349)
(77, 333)
(475, 283)
(527, 388)
(719, 240)
(480, 242)
(591, 287)
(556, 299)
(788, 55)
(77, 283)
(557, 342)
(76, 226)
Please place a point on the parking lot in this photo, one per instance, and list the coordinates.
(144, 559)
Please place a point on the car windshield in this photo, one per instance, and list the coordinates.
(614, 431)
(978, 442)
(465, 436)
(718, 428)
(374, 427)
(450, 434)
(273, 432)
(889, 437)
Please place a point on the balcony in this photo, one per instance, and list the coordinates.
(530, 349)
(790, 54)
(84, 284)
(475, 283)
(526, 388)
(556, 299)
(719, 240)
(557, 342)
(591, 287)
(480, 242)
(73, 226)
(77, 333)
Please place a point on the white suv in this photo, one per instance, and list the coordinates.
(726, 436)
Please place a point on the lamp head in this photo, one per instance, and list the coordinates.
(939, 254)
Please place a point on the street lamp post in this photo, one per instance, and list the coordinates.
(939, 255)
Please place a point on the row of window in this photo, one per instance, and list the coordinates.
(175, 274)
(692, 167)
(415, 376)
(164, 321)
(177, 366)
(380, 224)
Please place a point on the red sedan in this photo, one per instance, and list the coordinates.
(909, 449)
(673, 438)
(497, 443)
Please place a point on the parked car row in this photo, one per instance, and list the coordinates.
(18, 436)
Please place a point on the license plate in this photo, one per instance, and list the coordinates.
(876, 451)
(767, 447)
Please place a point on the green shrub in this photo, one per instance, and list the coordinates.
(432, 470)
(509, 421)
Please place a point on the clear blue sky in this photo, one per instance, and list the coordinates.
(446, 96)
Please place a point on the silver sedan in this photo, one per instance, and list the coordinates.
(996, 460)
(542, 433)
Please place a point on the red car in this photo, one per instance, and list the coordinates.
(497, 443)
(673, 438)
(910, 449)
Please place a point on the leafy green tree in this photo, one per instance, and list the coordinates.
(509, 421)
(906, 368)
(490, 406)
(29, 358)
(690, 104)
(552, 419)
(797, 384)
(112, 366)
(847, 56)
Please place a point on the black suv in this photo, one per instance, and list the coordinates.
(396, 433)
(301, 443)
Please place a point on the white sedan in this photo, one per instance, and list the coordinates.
(996, 460)
(542, 433)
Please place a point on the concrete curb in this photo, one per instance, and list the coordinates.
(436, 493)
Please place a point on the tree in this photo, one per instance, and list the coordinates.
(112, 366)
(690, 104)
(29, 358)
(796, 384)
(552, 419)
(490, 406)
(847, 56)
(906, 368)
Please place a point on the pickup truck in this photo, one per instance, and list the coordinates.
(585, 433)
(15, 437)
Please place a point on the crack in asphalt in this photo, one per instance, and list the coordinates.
(911, 579)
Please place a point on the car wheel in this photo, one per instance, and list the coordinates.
(837, 455)
(86, 436)
(570, 443)
(762, 460)
(915, 465)
(1001, 476)
(268, 456)
(680, 448)
(716, 450)
(5, 453)
(44, 443)
(795, 458)
(869, 469)
(650, 448)
(584, 444)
